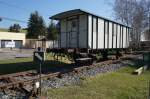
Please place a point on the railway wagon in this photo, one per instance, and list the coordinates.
(84, 30)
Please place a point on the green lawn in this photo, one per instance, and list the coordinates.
(23, 31)
(116, 85)
(6, 30)
(3, 30)
(24, 64)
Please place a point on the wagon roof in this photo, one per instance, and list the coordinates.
(74, 12)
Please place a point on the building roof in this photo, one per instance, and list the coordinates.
(70, 13)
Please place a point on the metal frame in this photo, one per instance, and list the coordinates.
(122, 35)
(126, 35)
(60, 34)
(112, 35)
(92, 34)
(78, 32)
(120, 38)
(87, 31)
(116, 35)
(107, 34)
(104, 33)
(66, 33)
(96, 32)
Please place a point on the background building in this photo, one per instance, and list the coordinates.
(8, 39)
(145, 39)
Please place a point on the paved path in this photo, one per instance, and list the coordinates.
(8, 54)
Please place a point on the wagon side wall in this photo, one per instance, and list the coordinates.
(96, 33)
(105, 34)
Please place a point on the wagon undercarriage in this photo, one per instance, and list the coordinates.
(86, 54)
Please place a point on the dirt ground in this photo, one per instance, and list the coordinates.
(15, 53)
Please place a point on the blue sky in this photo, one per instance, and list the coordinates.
(21, 9)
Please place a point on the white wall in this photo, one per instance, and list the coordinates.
(110, 34)
(118, 36)
(89, 31)
(128, 37)
(100, 33)
(106, 35)
(51, 44)
(100, 36)
(94, 33)
(124, 37)
(114, 36)
(83, 34)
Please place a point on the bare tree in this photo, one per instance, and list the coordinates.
(147, 21)
(132, 13)
(147, 35)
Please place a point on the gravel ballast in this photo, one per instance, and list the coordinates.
(75, 78)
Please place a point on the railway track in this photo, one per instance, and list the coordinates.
(28, 81)
(21, 79)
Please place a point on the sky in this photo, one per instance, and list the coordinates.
(21, 9)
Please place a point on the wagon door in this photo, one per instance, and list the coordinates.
(72, 33)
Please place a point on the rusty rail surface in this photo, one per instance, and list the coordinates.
(23, 82)
(18, 74)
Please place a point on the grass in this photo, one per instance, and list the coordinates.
(24, 64)
(116, 85)
(6, 30)
(3, 30)
(23, 31)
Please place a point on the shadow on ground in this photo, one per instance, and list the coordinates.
(51, 66)
(134, 62)
(48, 66)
